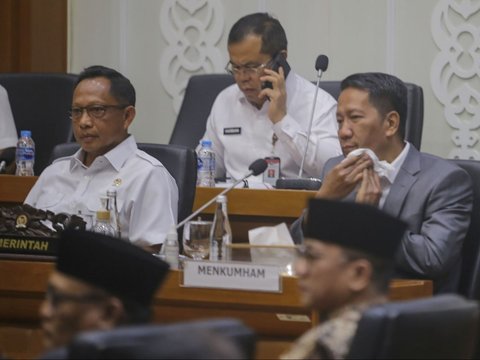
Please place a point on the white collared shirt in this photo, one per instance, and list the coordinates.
(8, 132)
(396, 165)
(147, 195)
(241, 133)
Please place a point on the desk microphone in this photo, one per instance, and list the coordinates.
(256, 168)
(300, 183)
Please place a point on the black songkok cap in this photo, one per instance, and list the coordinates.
(357, 226)
(112, 264)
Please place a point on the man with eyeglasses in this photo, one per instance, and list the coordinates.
(343, 268)
(103, 108)
(248, 121)
(99, 283)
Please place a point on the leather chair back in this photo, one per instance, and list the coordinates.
(201, 339)
(470, 272)
(444, 326)
(180, 161)
(202, 91)
(41, 102)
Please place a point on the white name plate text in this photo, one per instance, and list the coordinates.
(237, 276)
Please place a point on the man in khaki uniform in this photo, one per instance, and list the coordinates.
(343, 268)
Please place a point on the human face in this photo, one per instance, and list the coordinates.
(71, 306)
(360, 125)
(323, 276)
(247, 53)
(97, 136)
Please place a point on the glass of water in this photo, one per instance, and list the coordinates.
(196, 239)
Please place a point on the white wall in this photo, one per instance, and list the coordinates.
(393, 36)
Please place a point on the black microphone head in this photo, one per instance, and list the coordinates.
(258, 167)
(321, 63)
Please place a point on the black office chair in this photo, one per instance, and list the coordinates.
(202, 339)
(199, 96)
(203, 89)
(470, 272)
(441, 327)
(40, 102)
(180, 161)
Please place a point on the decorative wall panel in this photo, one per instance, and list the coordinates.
(455, 72)
(192, 29)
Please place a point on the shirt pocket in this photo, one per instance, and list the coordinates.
(49, 200)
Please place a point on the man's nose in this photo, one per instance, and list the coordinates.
(344, 130)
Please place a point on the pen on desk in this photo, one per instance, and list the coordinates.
(3, 165)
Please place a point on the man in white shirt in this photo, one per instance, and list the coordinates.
(103, 108)
(250, 121)
(8, 132)
(432, 195)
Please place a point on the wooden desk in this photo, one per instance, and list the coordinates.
(278, 318)
(247, 208)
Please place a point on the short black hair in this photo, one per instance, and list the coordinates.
(120, 87)
(274, 39)
(385, 92)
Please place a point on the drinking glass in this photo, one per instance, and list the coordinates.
(196, 239)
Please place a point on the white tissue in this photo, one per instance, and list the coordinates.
(382, 168)
(270, 235)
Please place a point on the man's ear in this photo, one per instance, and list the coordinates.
(392, 123)
(113, 313)
(129, 115)
(360, 275)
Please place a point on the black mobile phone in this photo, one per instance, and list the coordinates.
(279, 60)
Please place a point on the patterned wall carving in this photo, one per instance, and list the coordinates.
(455, 72)
(192, 29)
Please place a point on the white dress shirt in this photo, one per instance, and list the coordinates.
(385, 182)
(8, 132)
(241, 133)
(147, 195)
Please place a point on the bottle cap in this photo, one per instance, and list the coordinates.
(25, 133)
(103, 215)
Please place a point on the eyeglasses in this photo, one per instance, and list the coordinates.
(249, 69)
(94, 111)
(55, 297)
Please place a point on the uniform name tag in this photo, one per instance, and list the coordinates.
(232, 131)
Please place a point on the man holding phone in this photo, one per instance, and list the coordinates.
(267, 112)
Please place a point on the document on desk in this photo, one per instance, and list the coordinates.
(232, 275)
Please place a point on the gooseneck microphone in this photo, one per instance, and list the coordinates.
(256, 168)
(321, 65)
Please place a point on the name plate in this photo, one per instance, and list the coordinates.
(15, 244)
(236, 276)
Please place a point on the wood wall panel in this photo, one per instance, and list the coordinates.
(33, 36)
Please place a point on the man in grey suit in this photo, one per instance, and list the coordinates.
(431, 194)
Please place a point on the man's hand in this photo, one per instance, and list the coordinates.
(343, 178)
(370, 190)
(277, 96)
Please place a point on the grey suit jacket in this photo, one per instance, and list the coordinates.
(434, 197)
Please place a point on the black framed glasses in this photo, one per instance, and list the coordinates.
(249, 69)
(55, 297)
(94, 111)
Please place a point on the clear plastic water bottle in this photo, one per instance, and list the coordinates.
(102, 224)
(25, 154)
(221, 232)
(206, 164)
